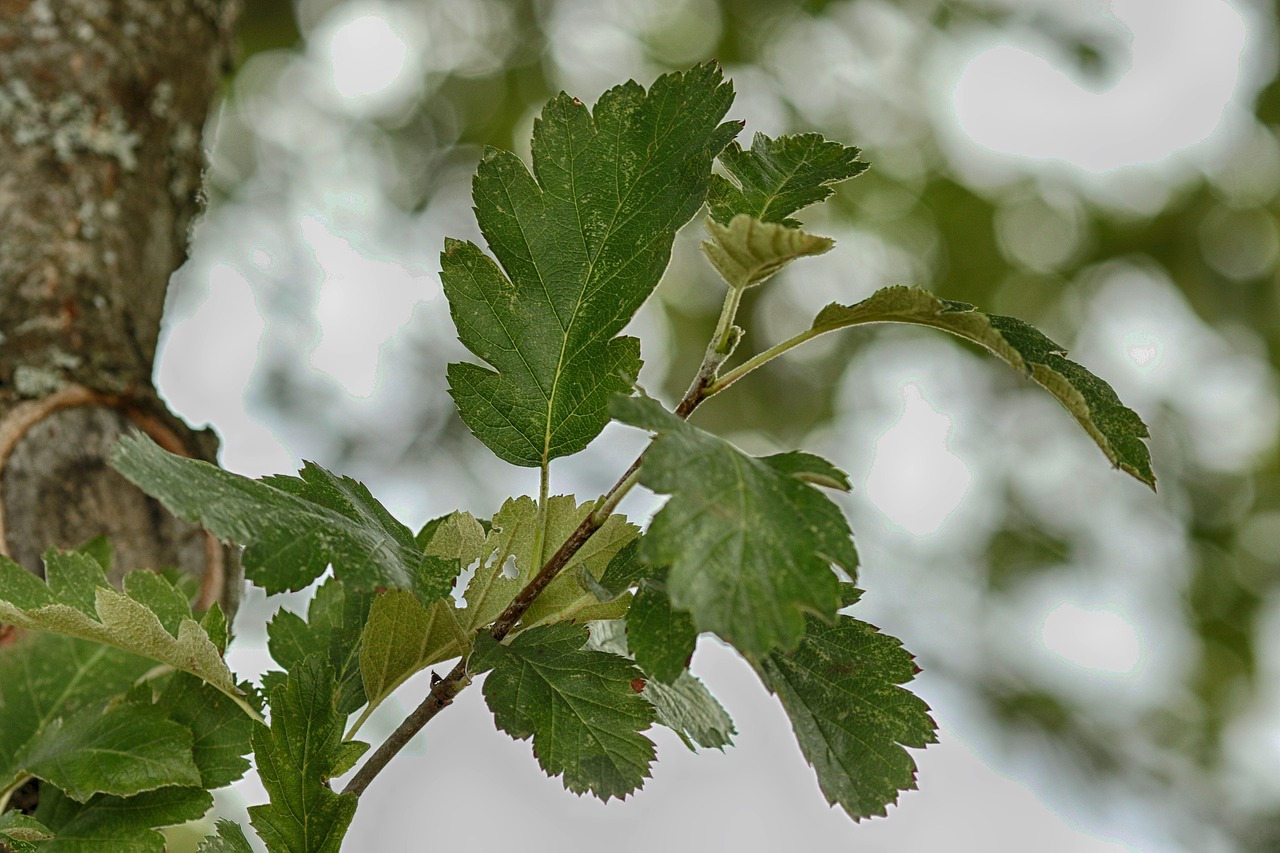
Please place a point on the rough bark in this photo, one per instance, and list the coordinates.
(102, 104)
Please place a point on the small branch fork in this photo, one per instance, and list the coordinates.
(444, 691)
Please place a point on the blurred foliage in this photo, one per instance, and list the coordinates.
(1034, 243)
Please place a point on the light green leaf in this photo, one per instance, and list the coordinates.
(229, 838)
(582, 243)
(747, 251)
(21, 833)
(685, 706)
(840, 689)
(348, 754)
(293, 527)
(334, 625)
(296, 756)
(581, 707)
(1117, 429)
(778, 177)
(117, 824)
(509, 564)
(750, 545)
(661, 637)
(76, 579)
(401, 638)
(124, 750)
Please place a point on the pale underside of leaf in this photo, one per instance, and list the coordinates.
(748, 251)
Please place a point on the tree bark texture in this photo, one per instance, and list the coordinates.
(102, 104)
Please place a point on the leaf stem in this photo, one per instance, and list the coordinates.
(723, 382)
(724, 338)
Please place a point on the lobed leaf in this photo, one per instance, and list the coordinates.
(228, 838)
(778, 177)
(685, 706)
(661, 638)
(220, 731)
(296, 756)
(292, 527)
(1116, 429)
(334, 626)
(840, 688)
(579, 705)
(580, 244)
(76, 601)
(749, 543)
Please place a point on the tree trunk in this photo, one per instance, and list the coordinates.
(102, 104)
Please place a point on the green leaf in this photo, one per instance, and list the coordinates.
(582, 242)
(229, 838)
(77, 592)
(400, 638)
(296, 757)
(661, 637)
(750, 545)
(293, 527)
(124, 750)
(580, 706)
(117, 824)
(509, 564)
(685, 706)
(778, 177)
(334, 625)
(747, 251)
(220, 731)
(841, 690)
(1117, 429)
(21, 833)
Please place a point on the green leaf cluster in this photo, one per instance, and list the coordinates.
(583, 624)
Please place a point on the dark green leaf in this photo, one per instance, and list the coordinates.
(296, 756)
(1117, 429)
(840, 689)
(335, 622)
(293, 527)
(778, 177)
(750, 545)
(220, 730)
(228, 839)
(582, 243)
(581, 707)
(117, 824)
(661, 637)
(685, 706)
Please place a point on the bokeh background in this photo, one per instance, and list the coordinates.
(1104, 662)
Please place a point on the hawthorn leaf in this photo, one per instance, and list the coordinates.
(685, 706)
(228, 838)
(778, 177)
(292, 527)
(1116, 429)
(296, 756)
(334, 626)
(580, 706)
(21, 832)
(62, 605)
(579, 245)
(661, 638)
(841, 689)
(118, 824)
(220, 730)
(401, 638)
(748, 251)
(749, 543)
(123, 750)
(509, 564)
